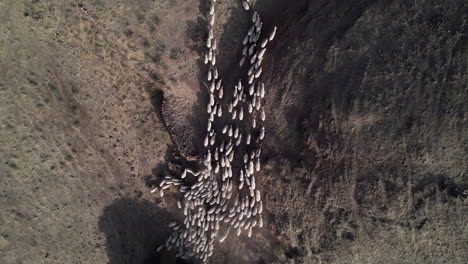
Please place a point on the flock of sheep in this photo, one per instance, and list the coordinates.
(225, 189)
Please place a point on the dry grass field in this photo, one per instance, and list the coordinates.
(366, 154)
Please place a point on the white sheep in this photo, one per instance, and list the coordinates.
(251, 49)
(251, 79)
(261, 53)
(258, 72)
(212, 19)
(212, 10)
(212, 100)
(221, 93)
(244, 42)
(242, 61)
(245, 5)
(272, 34)
(262, 114)
(253, 58)
(210, 34)
(212, 87)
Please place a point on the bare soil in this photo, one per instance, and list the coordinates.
(366, 154)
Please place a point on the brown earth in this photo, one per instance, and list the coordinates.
(365, 159)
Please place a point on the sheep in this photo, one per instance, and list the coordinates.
(251, 30)
(201, 226)
(260, 207)
(220, 93)
(251, 79)
(250, 71)
(251, 89)
(236, 100)
(251, 38)
(213, 60)
(258, 72)
(218, 84)
(239, 140)
(262, 114)
(212, 19)
(258, 104)
(261, 53)
(234, 114)
(253, 58)
(212, 100)
(239, 85)
(210, 34)
(242, 61)
(251, 49)
(245, 5)
(245, 50)
(159, 248)
(257, 196)
(258, 27)
(212, 11)
(210, 55)
(272, 34)
(257, 37)
(225, 236)
(258, 63)
(241, 113)
(221, 147)
(209, 124)
(209, 75)
(246, 39)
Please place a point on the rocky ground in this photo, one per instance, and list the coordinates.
(366, 153)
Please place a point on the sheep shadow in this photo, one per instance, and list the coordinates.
(133, 229)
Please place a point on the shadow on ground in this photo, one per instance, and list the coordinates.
(133, 230)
